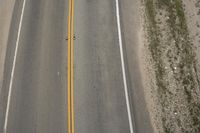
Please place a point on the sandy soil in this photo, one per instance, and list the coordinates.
(171, 63)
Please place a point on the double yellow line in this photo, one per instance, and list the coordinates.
(70, 78)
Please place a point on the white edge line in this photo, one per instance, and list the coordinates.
(123, 67)
(13, 69)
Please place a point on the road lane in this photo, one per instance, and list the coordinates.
(39, 97)
(100, 105)
(38, 101)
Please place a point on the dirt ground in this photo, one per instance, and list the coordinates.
(171, 63)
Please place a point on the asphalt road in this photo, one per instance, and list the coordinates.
(38, 100)
(39, 92)
(100, 105)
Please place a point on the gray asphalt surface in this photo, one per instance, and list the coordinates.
(39, 97)
(38, 101)
(100, 105)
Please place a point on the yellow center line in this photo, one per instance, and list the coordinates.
(70, 76)
(72, 66)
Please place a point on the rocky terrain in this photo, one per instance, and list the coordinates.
(171, 54)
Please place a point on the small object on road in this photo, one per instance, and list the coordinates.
(73, 38)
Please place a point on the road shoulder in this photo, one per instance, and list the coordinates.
(6, 10)
(131, 27)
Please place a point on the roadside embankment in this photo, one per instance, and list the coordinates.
(172, 64)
